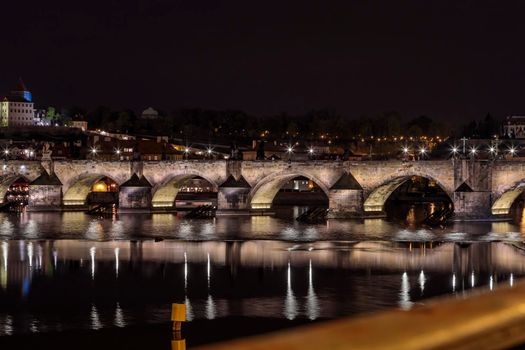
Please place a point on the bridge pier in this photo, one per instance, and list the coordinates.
(45, 193)
(345, 198)
(233, 195)
(135, 195)
(472, 197)
(345, 204)
(471, 205)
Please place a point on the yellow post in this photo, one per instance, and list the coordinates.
(178, 315)
(178, 344)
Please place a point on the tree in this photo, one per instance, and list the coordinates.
(292, 129)
(415, 131)
(100, 117)
(393, 124)
(52, 114)
(471, 129)
(123, 122)
(488, 127)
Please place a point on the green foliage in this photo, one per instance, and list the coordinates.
(52, 114)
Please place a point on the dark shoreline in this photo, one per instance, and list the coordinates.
(157, 336)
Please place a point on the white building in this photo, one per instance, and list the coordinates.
(17, 110)
(514, 127)
(80, 124)
(149, 113)
(41, 118)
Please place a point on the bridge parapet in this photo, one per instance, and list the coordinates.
(28, 169)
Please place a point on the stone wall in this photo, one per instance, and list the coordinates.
(134, 198)
(506, 175)
(44, 198)
(471, 205)
(159, 173)
(345, 203)
(324, 174)
(70, 172)
(371, 175)
(232, 198)
(29, 169)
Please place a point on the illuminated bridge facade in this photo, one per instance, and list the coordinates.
(477, 188)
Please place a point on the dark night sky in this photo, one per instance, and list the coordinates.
(445, 59)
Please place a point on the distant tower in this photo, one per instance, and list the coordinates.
(17, 109)
(149, 113)
(21, 91)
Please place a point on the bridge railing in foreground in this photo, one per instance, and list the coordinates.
(482, 320)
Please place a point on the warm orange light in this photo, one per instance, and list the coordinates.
(100, 187)
(310, 184)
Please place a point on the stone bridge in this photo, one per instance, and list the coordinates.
(477, 188)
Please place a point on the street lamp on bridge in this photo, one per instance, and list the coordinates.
(422, 152)
(473, 151)
(289, 151)
(512, 151)
(455, 151)
(493, 151)
(405, 152)
(117, 152)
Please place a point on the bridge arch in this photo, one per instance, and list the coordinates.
(6, 182)
(264, 192)
(80, 187)
(376, 200)
(165, 193)
(503, 204)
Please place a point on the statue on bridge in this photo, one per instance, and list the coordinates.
(46, 152)
(234, 152)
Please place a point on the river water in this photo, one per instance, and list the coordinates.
(71, 271)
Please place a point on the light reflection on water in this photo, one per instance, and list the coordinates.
(111, 273)
(119, 317)
(78, 225)
(93, 285)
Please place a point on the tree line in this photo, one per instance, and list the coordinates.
(191, 123)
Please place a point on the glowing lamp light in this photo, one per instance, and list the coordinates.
(454, 150)
(100, 187)
(289, 150)
(209, 151)
(117, 151)
(94, 150)
(405, 150)
(311, 151)
(492, 149)
(423, 150)
(6, 151)
(473, 150)
(512, 150)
